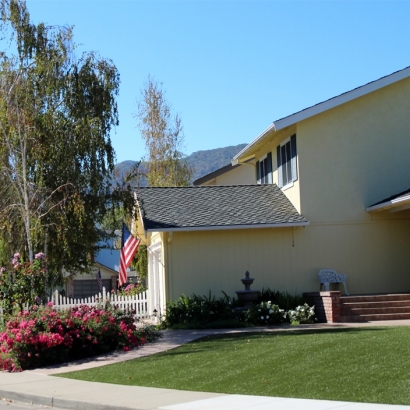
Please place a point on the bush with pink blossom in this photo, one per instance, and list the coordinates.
(130, 290)
(44, 336)
(23, 283)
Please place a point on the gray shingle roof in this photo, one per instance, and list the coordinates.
(207, 207)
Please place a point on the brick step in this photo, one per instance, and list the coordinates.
(373, 310)
(393, 303)
(376, 317)
(375, 298)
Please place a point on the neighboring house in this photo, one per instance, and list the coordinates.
(229, 175)
(339, 171)
(107, 261)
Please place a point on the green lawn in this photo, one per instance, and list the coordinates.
(362, 364)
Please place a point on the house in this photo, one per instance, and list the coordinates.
(107, 262)
(330, 189)
(229, 175)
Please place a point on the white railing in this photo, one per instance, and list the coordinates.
(137, 303)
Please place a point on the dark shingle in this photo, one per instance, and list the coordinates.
(215, 206)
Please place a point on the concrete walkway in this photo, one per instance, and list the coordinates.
(37, 387)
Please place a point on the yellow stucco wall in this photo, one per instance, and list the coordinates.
(374, 256)
(355, 155)
(242, 175)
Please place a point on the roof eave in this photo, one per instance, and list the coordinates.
(327, 105)
(228, 227)
(235, 159)
(389, 204)
(140, 214)
(105, 266)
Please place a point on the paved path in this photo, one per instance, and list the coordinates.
(36, 386)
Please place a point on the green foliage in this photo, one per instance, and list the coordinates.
(302, 314)
(163, 136)
(201, 311)
(113, 219)
(130, 290)
(283, 299)
(209, 312)
(56, 114)
(140, 261)
(265, 314)
(23, 284)
(147, 332)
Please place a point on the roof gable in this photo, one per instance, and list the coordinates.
(327, 105)
(215, 207)
(212, 175)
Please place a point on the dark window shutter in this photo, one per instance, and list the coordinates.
(258, 173)
(269, 168)
(280, 182)
(294, 159)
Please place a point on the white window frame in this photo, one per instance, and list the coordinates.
(293, 167)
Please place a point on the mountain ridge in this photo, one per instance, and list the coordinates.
(204, 162)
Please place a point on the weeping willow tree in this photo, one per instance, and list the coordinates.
(56, 114)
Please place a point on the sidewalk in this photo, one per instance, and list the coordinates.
(36, 386)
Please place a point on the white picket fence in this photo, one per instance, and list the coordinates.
(137, 303)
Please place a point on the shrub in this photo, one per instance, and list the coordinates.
(201, 311)
(22, 283)
(209, 312)
(283, 299)
(302, 314)
(44, 336)
(264, 314)
(130, 290)
(147, 332)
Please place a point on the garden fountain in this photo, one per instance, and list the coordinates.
(247, 296)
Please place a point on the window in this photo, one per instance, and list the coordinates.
(264, 169)
(287, 164)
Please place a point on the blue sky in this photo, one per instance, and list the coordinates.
(230, 67)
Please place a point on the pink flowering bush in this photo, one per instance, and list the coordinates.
(44, 336)
(22, 283)
(130, 290)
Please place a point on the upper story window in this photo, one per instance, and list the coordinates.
(264, 169)
(287, 164)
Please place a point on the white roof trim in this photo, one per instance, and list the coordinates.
(343, 98)
(389, 204)
(139, 213)
(328, 104)
(228, 227)
(235, 160)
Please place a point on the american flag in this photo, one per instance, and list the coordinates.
(129, 245)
